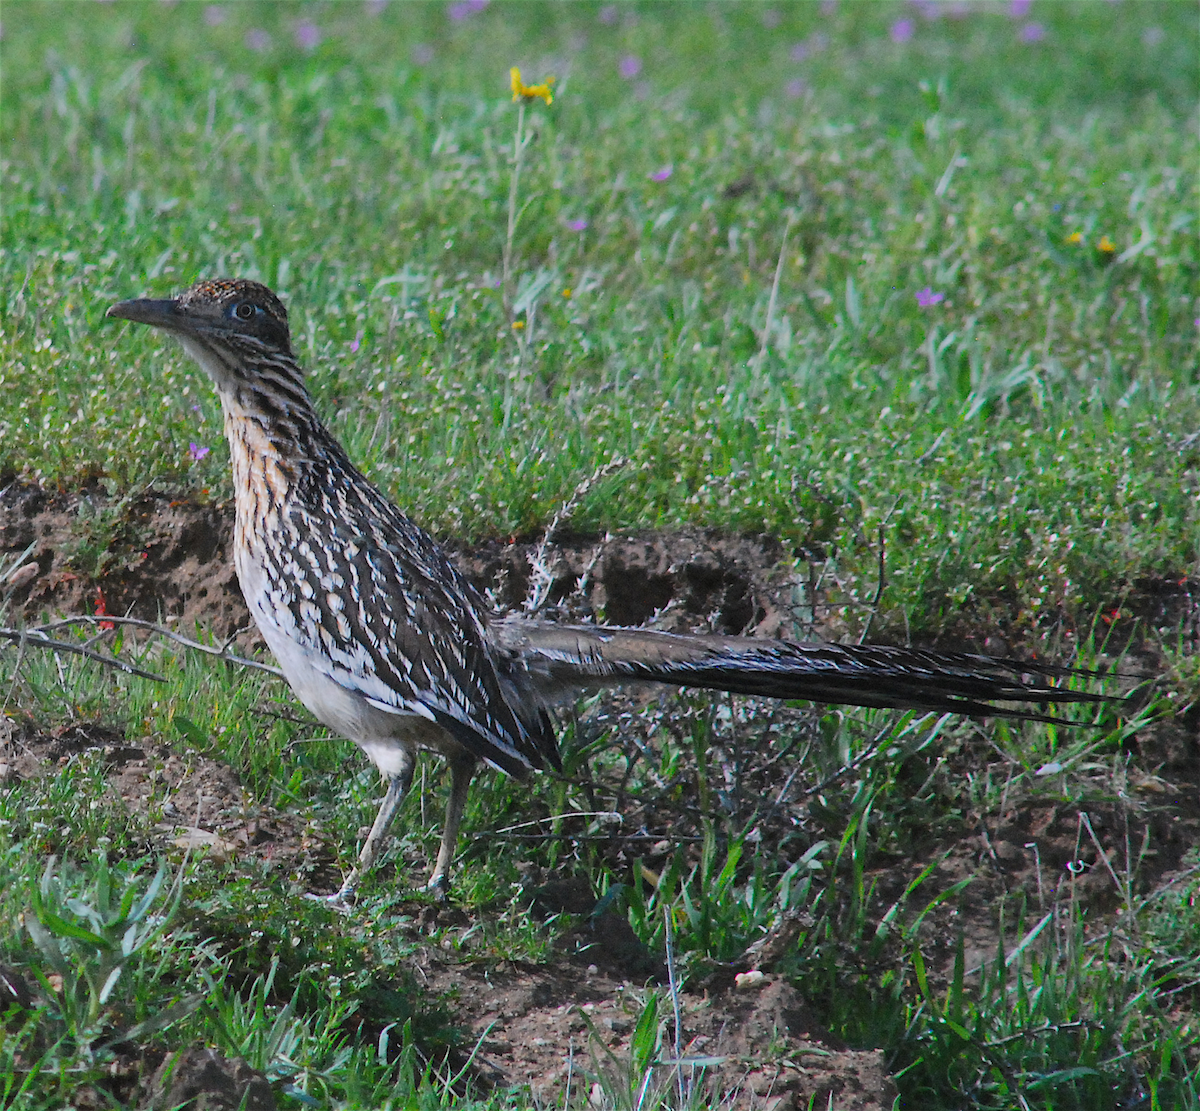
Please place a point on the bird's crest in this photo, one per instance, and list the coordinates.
(224, 291)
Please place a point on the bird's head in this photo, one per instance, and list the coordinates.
(235, 329)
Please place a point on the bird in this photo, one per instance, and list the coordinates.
(385, 641)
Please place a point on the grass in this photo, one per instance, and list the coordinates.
(1023, 435)
(745, 330)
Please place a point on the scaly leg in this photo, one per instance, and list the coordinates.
(397, 789)
(462, 770)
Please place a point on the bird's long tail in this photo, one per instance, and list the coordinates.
(561, 659)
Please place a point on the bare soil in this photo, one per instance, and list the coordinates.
(153, 557)
(546, 1025)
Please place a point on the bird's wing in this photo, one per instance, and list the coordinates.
(398, 624)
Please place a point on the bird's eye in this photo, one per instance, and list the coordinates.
(244, 310)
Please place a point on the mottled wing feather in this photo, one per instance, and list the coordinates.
(398, 624)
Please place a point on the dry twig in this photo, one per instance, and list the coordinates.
(39, 636)
(541, 577)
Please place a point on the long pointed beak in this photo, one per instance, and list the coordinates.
(159, 314)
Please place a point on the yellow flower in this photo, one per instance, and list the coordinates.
(518, 325)
(567, 293)
(530, 92)
(1075, 237)
(1106, 245)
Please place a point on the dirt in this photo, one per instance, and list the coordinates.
(547, 1025)
(157, 558)
(551, 1025)
(185, 799)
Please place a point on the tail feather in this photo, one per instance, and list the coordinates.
(561, 659)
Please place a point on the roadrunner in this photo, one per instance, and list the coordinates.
(387, 643)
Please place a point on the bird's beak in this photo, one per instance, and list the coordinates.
(159, 314)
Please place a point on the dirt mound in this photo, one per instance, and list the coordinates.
(157, 558)
(149, 557)
(551, 1025)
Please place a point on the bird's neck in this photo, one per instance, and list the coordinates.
(272, 443)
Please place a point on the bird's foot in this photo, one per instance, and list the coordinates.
(342, 900)
(439, 887)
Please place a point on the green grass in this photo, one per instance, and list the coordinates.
(1022, 446)
(1019, 442)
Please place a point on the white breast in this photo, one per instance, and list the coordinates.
(383, 734)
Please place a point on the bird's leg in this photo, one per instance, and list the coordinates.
(397, 787)
(462, 769)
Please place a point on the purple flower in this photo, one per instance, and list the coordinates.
(663, 174)
(629, 66)
(197, 452)
(356, 342)
(258, 40)
(1032, 32)
(464, 9)
(577, 225)
(902, 30)
(608, 15)
(422, 54)
(814, 44)
(926, 297)
(214, 15)
(796, 88)
(1019, 9)
(929, 9)
(308, 35)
